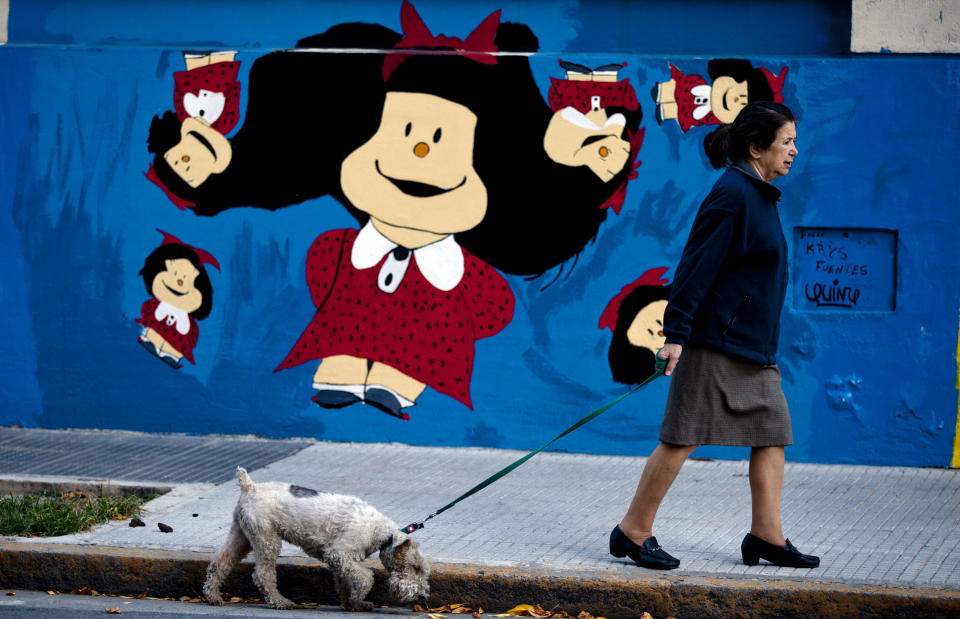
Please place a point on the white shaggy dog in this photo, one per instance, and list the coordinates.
(339, 530)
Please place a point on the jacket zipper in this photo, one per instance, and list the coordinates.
(733, 318)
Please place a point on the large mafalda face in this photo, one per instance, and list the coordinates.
(177, 285)
(416, 172)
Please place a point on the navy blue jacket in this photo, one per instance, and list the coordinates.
(729, 287)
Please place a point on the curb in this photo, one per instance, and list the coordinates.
(160, 573)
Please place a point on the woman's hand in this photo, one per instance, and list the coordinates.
(670, 352)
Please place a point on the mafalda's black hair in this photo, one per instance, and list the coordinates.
(631, 364)
(156, 263)
(307, 109)
(757, 124)
(290, 149)
(539, 213)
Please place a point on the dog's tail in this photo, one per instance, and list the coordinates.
(246, 484)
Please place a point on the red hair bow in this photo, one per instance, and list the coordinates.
(616, 200)
(478, 46)
(204, 256)
(652, 277)
(776, 82)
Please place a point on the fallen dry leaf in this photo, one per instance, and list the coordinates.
(83, 591)
(112, 611)
(646, 615)
(136, 522)
(53, 593)
(10, 593)
(477, 614)
(435, 616)
(166, 528)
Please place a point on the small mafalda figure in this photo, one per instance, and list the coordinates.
(182, 294)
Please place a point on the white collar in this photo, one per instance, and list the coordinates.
(575, 117)
(180, 316)
(440, 262)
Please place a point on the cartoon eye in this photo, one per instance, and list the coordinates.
(406, 132)
(436, 135)
(604, 152)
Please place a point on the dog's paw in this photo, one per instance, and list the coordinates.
(213, 596)
(281, 603)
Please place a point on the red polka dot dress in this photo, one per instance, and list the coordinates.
(167, 329)
(426, 333)
(577, 94)
(219, 77)
(687, 103)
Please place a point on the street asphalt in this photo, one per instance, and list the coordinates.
(888, 537)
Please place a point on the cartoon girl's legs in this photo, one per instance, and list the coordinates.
(342, 380)
(664, 96)
(158, 346)
(194, 60)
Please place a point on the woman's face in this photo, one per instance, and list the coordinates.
(176, 286)
(776, 159)
(416, 172)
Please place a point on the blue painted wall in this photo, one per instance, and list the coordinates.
(81, 81)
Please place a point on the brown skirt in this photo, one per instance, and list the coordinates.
(716, 399)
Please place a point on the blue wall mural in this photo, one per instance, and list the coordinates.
(84, 82)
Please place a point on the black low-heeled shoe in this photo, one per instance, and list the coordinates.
(752, 549)
(649, 554)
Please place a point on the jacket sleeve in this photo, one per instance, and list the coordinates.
(703, 256)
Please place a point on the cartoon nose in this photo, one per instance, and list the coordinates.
(421, 149)
(604, 151)
(185, 158)
(660, 333)
(179, 282)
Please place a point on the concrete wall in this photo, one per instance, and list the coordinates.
(905, 26)
(868, 213)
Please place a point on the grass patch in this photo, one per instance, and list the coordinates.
(48, 516)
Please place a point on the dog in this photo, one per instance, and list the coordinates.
(339, 530)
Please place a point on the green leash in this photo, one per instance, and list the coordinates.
(660, 365)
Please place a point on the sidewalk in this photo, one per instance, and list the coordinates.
(888, 537)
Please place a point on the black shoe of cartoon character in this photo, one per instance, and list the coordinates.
(385, 401)
(334, 398)
(150, 348)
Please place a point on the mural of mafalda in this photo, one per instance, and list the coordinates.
(175, 275)
(453, 164)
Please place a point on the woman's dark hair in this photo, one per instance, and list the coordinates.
(631, 364)
(156, 263)
(757, 124)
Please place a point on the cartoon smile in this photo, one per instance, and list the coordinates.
(417, 189)
(179, 294)
(203, 142)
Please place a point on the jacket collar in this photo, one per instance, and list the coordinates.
(767, 190)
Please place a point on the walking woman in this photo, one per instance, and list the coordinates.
(724, 317)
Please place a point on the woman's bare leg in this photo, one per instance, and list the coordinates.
(658, 474)
(766, 488)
